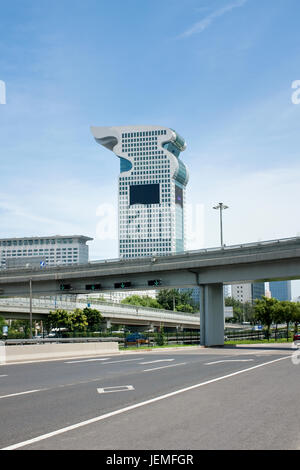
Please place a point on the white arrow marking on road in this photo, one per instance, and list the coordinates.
(158, 360)
(120, 388)
(228, 360)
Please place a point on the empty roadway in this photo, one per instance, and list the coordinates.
(200, 398)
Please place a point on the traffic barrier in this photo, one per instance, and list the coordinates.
(39, 352)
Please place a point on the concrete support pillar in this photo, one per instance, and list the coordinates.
(106, 325)
(211, 315)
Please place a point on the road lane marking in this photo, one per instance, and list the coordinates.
(119, 388)
(164, 367)
(228, 360)
(124, 360)
(3, 375)
(87, 360)
(132, 407)
(20, 393)
(158, 360)
(105, 361)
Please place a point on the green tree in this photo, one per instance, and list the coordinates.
(141, 301)
(237, 307)
(59, 319)
(78, 320)
(2, 324)
(278, 316)
(93, 318)
(160, 337)
(289, 314)
(169, 299)
(296, 317)
(264, 311)
(248, 311)
(185, 308)
(21, 326)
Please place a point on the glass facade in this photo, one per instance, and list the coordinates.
(281, 290)
(258, 290)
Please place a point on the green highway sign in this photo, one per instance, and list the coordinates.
(93, 287)
(154, 282)
(122, 285)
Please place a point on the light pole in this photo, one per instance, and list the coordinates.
(221, 207)
(30, 308)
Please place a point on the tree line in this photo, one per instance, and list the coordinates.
(267, 311)
(166, 299)
(270, 311)
(87, 319)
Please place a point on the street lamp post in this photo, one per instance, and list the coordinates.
(221, 207)
(30, 308)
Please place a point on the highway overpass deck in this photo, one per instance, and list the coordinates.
(112, 312)
(251, 262)
(209, 269)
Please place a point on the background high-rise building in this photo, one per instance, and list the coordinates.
(258, 290)
(281, 290)
(152, 184)
(248, 292)
(54, 249)
(227, 291)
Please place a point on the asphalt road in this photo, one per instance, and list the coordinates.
(244, 398)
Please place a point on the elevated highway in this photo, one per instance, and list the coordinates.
(209, 269)
(113, 313)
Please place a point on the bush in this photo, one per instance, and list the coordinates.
(160, 337)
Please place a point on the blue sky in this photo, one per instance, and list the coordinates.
(218, 71)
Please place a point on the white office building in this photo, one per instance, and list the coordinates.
(54, 250)
(248, 292)
(152, 184)
(242, 292)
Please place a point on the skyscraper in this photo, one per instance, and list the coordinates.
(281, 290)
(248, 292)
(152, 184)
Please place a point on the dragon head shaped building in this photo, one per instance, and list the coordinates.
(152, 184)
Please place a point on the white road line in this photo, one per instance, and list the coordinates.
(228, 360)
(132, 407)
(124, 360)
(164, 367)
(120, 388)
(3, 375)
(20, 393)
(158, 360)
(106, 359)
(87, 360)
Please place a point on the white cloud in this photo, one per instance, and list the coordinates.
(200, 26)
